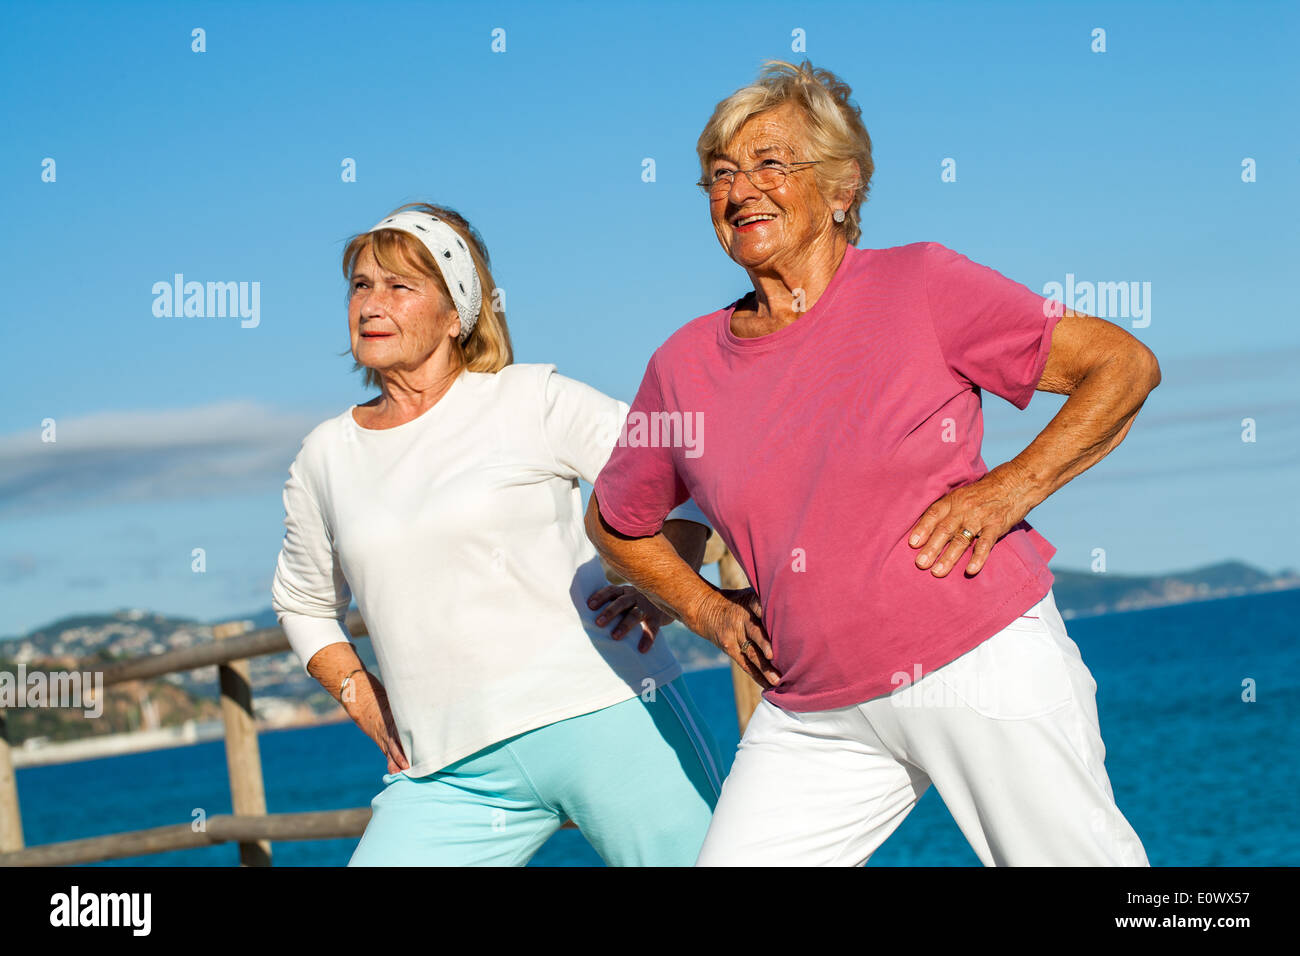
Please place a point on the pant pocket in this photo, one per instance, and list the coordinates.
(1018, 673)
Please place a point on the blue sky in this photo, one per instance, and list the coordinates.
(176, 433)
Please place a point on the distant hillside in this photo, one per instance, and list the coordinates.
(127, 631)
(1085, 592)
(284, 693)
(137, 622)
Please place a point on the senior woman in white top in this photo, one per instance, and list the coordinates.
(449, 505)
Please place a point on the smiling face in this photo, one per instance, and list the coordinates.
(795, 214)
(397, 322)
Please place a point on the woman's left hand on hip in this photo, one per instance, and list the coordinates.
(987, 508)
(628, 607)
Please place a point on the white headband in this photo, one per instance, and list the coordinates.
(452, 255)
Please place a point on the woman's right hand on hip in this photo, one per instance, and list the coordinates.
(734, 622)
(368, 708)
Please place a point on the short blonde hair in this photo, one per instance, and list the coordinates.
(836, 134)
(487, 348)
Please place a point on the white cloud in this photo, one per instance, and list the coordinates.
(104, 457)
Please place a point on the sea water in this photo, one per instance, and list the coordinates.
(1199, 705)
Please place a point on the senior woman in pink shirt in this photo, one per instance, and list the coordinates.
(901, 617)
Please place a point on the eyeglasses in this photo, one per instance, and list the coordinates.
(771, 175)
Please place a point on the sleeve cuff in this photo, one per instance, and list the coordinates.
(632, 529)
(1053, 317)
(307, 635)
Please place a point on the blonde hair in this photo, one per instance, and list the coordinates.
(836, 134)
(487, 348)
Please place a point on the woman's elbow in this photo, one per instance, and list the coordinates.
(1132, 368)
(1146, 362)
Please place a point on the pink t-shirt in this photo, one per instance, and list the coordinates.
(814, 450)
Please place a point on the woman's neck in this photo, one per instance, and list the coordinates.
(405, 396)
(786, 291)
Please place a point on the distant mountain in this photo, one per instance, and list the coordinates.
(1087, 593)
(281, 686)
(283, 692)
(1077, 593)
(98, 629)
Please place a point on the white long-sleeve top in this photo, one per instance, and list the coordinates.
(461, 535)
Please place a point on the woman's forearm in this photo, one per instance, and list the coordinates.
(654, 565)
(1093, 421)
(331, 664)
(689, 540)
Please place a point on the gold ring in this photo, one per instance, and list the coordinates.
(748, 643)
(969, 537)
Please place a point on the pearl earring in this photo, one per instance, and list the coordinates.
(838, 215)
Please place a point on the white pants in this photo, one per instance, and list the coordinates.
(1007, 733)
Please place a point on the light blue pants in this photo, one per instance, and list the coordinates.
(640, 779)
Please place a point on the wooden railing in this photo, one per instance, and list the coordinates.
(250, 826)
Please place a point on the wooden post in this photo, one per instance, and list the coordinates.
(247, 796)
(748, 693)
(11, 821)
